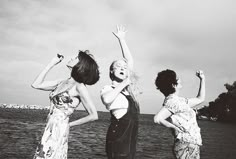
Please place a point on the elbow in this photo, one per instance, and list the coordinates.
(201, 99)
(94, 117)
(157, 119)
(34, 86)
(105, 100)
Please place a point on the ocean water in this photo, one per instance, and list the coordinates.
(20, 131)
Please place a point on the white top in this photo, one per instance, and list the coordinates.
(119, 106)
(185, 117)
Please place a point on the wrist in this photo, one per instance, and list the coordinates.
(176, 128)
(121, 39)
(202, 78)
(70, 124)
(125, 84)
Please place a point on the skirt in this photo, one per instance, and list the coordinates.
(54, 142)
(185, 150)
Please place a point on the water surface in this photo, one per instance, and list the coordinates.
(20, 131)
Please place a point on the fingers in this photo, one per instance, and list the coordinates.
(120, 32)
(114, 33)
(199, 73)
(117, 28)
(61, 57)
(120, 28)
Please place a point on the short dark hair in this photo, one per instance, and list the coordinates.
(165, 81)
(86, 70)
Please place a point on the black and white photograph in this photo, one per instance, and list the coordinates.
(117, 79)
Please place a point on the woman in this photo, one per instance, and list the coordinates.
(65, 97)
(181, 111)
(120, 101)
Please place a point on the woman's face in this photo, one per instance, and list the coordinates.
(120, 69)
(72, 62)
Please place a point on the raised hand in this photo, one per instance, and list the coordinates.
(120, 32)
(200, 74)
(57, 59)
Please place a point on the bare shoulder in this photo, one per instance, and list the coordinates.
(81, 88)
(106, 89)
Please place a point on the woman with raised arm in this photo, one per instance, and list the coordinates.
(181, 112)
(65, 97)
(119, 99)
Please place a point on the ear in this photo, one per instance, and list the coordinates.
(174, 85)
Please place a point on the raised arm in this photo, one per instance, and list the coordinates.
(193, 102)
(40, 83)
(88, 105)
(120, 34)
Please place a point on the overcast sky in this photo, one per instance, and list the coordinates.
(183, 35)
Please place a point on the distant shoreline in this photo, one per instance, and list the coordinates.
(37, 107)
(40, 107)
(24, 106)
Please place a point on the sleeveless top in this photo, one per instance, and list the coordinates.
(64, 102)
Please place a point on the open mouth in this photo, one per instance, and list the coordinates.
(122, 73)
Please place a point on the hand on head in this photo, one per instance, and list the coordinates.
(120, 32)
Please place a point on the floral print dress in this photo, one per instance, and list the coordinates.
(54, 142)
(187, 143)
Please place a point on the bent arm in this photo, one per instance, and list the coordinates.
(161, 116)
(194, 102)
(88, 105)
(40, 83)
(110, 95)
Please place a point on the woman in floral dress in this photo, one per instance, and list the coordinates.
(65, 97)
(181, 111)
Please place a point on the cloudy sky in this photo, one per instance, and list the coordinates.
(183, 35)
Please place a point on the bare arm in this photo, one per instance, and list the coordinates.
(161, 116)
(40, 83)
(194, 102)
(120, 34)
(109, 96)
(88, 105)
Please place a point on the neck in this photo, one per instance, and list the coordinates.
(115, 82)
(174, 94)
(71, 80)
(118, 80)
